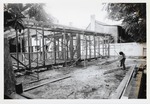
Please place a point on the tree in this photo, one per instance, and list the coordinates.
(133, 17)
(13, 19)
(31, 10)
(37, 11)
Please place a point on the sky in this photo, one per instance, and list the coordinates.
(77, 12)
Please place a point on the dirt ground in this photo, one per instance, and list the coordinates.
(88, 82)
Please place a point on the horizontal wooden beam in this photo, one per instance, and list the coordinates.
(51, 81)
(119, 91)
(15, 96)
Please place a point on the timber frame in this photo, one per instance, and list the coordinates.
(57, 45)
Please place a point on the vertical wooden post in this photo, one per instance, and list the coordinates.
(31, 48)
(58, 48)
(43, 53)
(45, 48)
(64, 46)
(94, 46)
(99, 46)
(54, 48)
(89, 47)
(86, 46)
(78, 46)
(21, 54)
(103, 45)
(29, 58)
(40, 49)
(67, 51)
(37, 52)
(71, 47)
(108, 48)
(17, 53)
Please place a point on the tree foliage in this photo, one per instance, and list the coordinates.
(133, 16)
(37, 11)
(15, 12)
(13, 18)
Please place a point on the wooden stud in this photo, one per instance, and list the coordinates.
(67, 50)
(29, 51)
(21, 53)
(78, 46)
(58, 48)
(43, 51)
(94, 47)
(108, 49)
(64, 46)
(103, 46)
(86, 46)
(54, 48)
(40, 49)
(37, 51)
(17, 53)
(71, 47)
(99, 46)
(89, 47)
(45, 48)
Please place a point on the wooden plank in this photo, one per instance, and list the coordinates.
(86, 46)
(103, 45)
(54, 48)
(99, 46)
(40, 49)
(67, 50)
(17, 53)
(94, 46)
(118, 93)
(29, 49)
(78, 46)
(115, 69)
(21, 49)
(71, 47)
(108, 49)
(138, 83)
(127, 85)
(19, 61)
(15, 96)
(52, 81)
(58, 45)
(37, 52)
(127, 90)
(64, 46)
(29, 96)
(89, 47)
(43, 51)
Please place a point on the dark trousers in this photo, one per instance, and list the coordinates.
(122, 63)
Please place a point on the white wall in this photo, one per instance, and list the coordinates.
(103, 28)
(130, 49)
(113, 30)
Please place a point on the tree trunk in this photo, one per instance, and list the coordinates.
(9, 77)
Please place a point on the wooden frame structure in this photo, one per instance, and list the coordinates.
(51, 44)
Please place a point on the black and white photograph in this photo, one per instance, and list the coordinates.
(75, 49)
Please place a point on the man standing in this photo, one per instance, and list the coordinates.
(122, 60)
